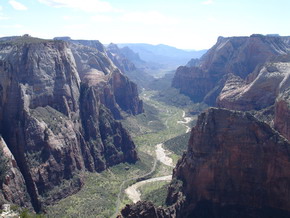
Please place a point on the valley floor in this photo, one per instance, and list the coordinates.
(104, 194)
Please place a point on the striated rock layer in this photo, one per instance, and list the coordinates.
(238, 56)
(235, 166)
(243, 73)
(58, 104)
(265, 92)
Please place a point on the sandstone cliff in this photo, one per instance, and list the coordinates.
(259, 90)
(13, 188)
(237, 56)
(57, 103)
(235, 166)
(117, 92)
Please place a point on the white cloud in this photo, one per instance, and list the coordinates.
(1, 8)
(84, 5)
(17, 5)
(207, 2)
(149, 18)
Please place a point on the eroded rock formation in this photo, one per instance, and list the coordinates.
(58, 101)
(235, 166)
(238, 56)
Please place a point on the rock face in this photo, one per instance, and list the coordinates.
(145, 210)
(258, 91)
(282, 114)
(235, 166)
(57, 107)
(96, 69)
(238, 56)
(14, 188)
(119, 58)
(123, 59)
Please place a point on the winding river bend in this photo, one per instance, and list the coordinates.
(161, 155)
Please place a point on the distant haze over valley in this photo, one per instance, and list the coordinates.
(163, 54)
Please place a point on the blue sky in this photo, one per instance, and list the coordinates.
(187, 24)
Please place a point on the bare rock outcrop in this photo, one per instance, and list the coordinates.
(13, 188)
(235, 166)
(123, 58)
(117, 92)
(258, 91)
(55, 117)
(238, 56)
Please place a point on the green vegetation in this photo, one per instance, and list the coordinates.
(172, 96)
(100, 193)
(23, 212)
(156, 192)
(162, 83)
(52, 117)
(98, 196)
(178, 144)
(27, 214)
(144, 123)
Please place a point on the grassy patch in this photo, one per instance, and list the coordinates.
(98, 196)
(178, 144)
(156, 192)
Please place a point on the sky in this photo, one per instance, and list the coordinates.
(186, 24)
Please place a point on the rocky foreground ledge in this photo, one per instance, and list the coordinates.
(235, 166)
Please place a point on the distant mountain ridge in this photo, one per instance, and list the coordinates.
(124, 59)
(163, 54)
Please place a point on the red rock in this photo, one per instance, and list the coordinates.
(234, 55)
(235, 166)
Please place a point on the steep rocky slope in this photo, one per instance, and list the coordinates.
(96, 67)
(235, 166)
(121, 58)
(238, 56)
(265, 92)
(13, 188)
(282, 114)
(258, 91)
(58, 101)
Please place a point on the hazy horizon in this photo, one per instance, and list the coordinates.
(184, 24)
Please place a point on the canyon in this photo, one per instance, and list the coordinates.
(74, 109)
(237, 159)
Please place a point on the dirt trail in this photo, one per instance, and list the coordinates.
(186, 121)
(161, 155)
(133, 192)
